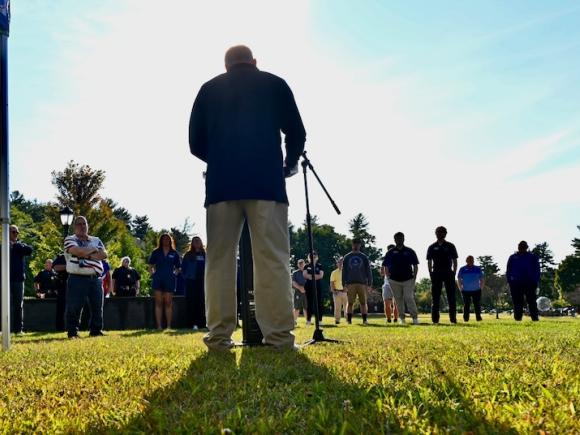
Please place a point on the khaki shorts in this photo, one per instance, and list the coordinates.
(354, 290)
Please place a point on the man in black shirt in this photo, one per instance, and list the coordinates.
(44, 282)
(235, 127)
(126, 280)
(401, 265)
(442, 261)
(59, 267)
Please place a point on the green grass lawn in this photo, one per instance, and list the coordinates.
(492, 377)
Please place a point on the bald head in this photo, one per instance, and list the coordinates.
(239, 54)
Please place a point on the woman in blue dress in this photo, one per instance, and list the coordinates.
(193, 270)
(164, 264)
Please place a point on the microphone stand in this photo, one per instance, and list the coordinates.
(306, 164)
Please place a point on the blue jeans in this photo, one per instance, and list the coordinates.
(79, 289)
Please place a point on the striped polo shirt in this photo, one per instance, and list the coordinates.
(83, 266)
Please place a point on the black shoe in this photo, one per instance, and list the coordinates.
(96, 334)
(479, 319)
(73, 336)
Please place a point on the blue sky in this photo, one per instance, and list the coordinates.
(418, 113)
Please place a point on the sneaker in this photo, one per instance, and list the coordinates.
(74, 337)
(349, 322)
(337, 322)
(96, 334)
(415, 321)
(389, 320)
(195, 328)
(401, 321)
(365, 322)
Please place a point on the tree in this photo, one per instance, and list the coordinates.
(141, 227)
(181, 236)
(423, 297)
(568, 279)
(494, 291)
(32, 208)
(547, 270)
(78, 187)
(576, 244)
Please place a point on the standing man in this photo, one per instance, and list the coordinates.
(45, 282)
(523, 276)
(59, 267)
(338, 292)
(84, 263)
(126, 281)
(235, 128)
(18, 251)
(357, 277)
(401, 265)
(298, 282)
(389, 304)
(442, 262)
(470, 279)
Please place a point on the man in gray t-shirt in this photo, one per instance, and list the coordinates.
(298, 282)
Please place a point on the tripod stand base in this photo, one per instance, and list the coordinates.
(318, 337)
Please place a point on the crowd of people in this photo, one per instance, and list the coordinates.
(352, 280)
(80, 278)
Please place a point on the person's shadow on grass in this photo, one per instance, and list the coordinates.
(259, 390)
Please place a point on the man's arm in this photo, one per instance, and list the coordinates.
(369, 274)
(454, 267)
(198, 127)
(292, 127)
(113, 286)
(298, 286)
(430, 265)
(415, 270)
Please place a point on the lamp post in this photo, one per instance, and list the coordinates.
(66, 218)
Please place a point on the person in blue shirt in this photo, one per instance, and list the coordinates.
(193, 271)
(471, 281)
(523, 276)
(164, 264)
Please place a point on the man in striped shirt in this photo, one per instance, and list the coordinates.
(84, 255)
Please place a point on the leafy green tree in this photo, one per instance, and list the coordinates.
(576, 244)
(547, 270)
(568, 279)
(494, 292)
(423, 297)
(78, 187)
(141, 227)
(34, 209)
(182, 236)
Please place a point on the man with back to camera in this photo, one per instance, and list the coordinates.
(470, 279)
(235, 128)
(84, 263)
(442, 263)
(523, 276)
(401, 266)
(357, 278)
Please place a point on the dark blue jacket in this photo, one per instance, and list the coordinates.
(235, 128)
(523, 268)
(17, 253)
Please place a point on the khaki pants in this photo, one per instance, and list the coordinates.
(404, 292)
(268, 223)
(340, 301)
(354, 290)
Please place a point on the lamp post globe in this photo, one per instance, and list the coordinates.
(66, 218)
